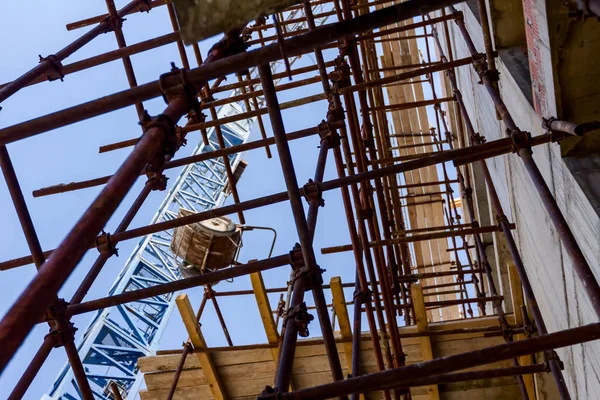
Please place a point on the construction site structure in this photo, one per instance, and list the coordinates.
(467, 250)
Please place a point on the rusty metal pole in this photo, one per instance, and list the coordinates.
(116, 25)
(484, 263)
(187, 348)
(580, 264)
(31, 305)
(68, 187)
(201, 280)
(54, 61)
(404, 375)
(210, 293)
(78, 371)
(37, 254)
(103, 257)
(116, 391)
(503, 223)
(305, 238)
(32, 369)
(358, 299)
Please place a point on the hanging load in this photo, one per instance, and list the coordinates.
(207, 245)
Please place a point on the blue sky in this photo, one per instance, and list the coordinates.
(71, 154)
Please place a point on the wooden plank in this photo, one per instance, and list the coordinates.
(163, 380)
(165, 363)
(488, 393)
(251, 387)
(235, 357)
(241, 372)
(185, 393)
(210, 370)
(518, 300)
(422, 326)
(339, 304)
(264, 308)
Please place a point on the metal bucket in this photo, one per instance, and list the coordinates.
(207, 245)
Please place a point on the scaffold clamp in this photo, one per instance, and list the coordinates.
(313, 192)
(56, 72)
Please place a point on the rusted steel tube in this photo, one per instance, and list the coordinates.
(503, 222)
(68, 187)
(407, 75)
(109, 56)
(571, 128)
(361, 196)
(487, 36)
(217, 122)
(368, 146)
(208, 278)
(426, 275)
(115, 391)
(407, 27)
(33, 368)
(54, 60)
(99, 18)
(32, 303)
(445, 303)
(78, 371)
(580, 264)
(239, 62)
(304, 235)
(476, 375)
(176, 28)
(127, 65)
(415, 104)
(202, 305)
(187, 348)
(404, 375)
(362, 283)
(18, 200)
(221, 320)
(418, 238)
(357, 317)
(103, 257)
(418, 185)
(311, 215)
(356, 327)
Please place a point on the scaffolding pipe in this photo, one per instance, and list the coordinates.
(580, 264)
(404, 375)
(503, 222)
(54, 61)
(310, 268)
(32, 303)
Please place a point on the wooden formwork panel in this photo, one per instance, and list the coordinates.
(246, 372)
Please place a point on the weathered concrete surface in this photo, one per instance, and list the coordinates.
(200, 19)
(558, 290)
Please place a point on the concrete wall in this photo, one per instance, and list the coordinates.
(559, 292)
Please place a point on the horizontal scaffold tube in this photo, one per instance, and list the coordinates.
(403, 376)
